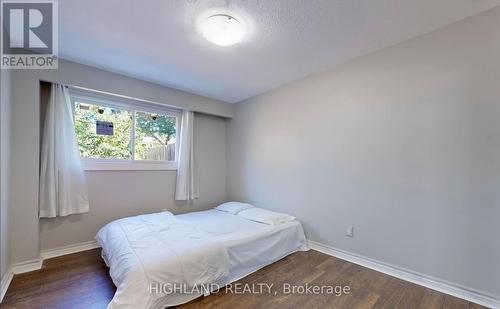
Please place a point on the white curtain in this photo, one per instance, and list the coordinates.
(185, 188)
(63, 190)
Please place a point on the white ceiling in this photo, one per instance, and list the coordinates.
(156, 40)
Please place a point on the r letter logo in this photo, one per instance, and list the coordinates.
(29, 35)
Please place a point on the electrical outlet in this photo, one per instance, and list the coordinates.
(350, 231)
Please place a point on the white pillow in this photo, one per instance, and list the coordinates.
(233, 207)
(265, 216)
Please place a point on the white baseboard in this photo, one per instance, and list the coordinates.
(15, 269)
(395, 271)
(5, 282)
(430, 282)
(24, 267)
(83, 246)
(33, 265)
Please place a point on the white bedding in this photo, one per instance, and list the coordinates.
(191, 249)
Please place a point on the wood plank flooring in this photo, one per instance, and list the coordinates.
(81, 280)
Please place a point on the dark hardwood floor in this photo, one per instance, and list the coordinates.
(81, 280)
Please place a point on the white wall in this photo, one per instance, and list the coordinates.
(5, 157)
(119, 194)
(403, 144)
(25, 163)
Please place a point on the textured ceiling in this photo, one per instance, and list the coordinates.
(156, 40)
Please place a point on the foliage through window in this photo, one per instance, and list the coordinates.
(105, 131)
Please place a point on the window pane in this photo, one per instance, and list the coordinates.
(103, 132)
(154, 137)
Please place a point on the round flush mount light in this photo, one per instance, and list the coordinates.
(222, 29)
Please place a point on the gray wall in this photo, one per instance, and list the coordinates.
(25, 229)
(403, 144)
(5, 157)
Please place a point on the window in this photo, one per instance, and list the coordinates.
(124, 134)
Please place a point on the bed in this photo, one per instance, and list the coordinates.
(160, 260)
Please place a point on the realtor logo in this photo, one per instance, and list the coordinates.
(29, 35)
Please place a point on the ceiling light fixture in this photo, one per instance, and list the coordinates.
(222, 29)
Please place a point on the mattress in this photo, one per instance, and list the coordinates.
(210, 247)
(251, 245)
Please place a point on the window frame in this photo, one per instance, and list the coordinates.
(132, 106)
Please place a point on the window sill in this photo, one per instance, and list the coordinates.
(109, 165)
